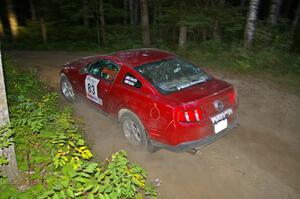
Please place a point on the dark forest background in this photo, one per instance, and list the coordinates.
(243, 34)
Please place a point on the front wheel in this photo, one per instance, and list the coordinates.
(67, 89)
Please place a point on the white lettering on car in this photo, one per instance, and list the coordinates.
(130, 80)
(221, 116)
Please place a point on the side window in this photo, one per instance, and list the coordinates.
(109, 70)
(130, 80)
(104, 69)
(95, 67)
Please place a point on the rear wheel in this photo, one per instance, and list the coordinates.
(67, 89)
(135, 133)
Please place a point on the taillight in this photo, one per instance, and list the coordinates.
(190, 116)
(233, 97)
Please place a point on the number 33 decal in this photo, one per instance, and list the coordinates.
(91, 90)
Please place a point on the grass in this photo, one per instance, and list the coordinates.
(276, 65)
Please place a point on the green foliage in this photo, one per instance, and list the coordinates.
(280, 66)
(32, 114)
(234, 57)
(6, 139)
(274, 37)
(6, 133)
(52, 153)
(242, 59)
(69, 144)
(117, 178)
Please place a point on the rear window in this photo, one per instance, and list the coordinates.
(172, 75)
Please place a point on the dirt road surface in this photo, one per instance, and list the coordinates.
(258, 159)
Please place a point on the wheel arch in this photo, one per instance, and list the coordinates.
(123, 111)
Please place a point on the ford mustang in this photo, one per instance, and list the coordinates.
(160, 99)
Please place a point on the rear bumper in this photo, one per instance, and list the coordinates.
(185, 146)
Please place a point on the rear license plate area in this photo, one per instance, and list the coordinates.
(220, 121)
(220, 126)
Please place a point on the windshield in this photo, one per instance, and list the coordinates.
(172, 74)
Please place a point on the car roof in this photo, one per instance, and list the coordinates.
(137, 57)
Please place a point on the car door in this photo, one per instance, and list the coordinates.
(99, 81)
(82, 73)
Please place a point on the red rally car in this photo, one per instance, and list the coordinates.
(161, 100)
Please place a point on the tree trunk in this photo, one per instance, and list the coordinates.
(11, 169)
(274, 11)
(98, 29)
(85, 13)
(12, 19)
(156, 15)
(294, 26)
(102, 22)
(154, 8)
(296, 18)
(288, 8)
(44, 29)
(145, 23)
(216, 30)
(32, 10)
(4, 117)
(1, 29)
(174, 35)
(243, 5)
(250, 24)
(131, 12)
(125, 11)
(136, 12)
(182, 37)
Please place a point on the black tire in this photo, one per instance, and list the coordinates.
(135, 133)
(66, 89)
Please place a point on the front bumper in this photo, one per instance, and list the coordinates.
(186, 146)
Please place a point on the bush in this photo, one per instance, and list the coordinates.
(51, 151)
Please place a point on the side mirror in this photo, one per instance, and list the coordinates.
(84, 70)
